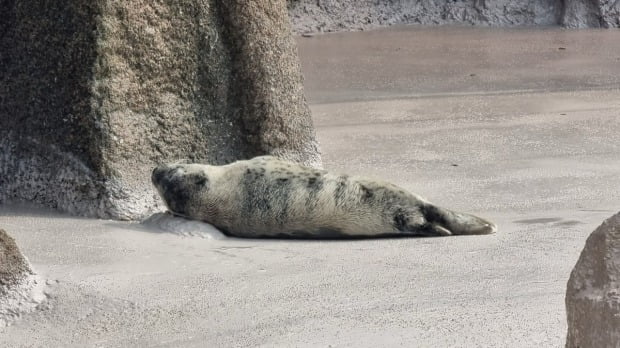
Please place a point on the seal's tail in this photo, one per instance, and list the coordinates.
(456, 223)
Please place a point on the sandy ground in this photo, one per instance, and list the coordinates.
(503, 124)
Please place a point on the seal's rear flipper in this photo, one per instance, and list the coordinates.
(456, 223)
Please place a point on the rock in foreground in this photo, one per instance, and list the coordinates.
(13, 265)
(593, 293)
(20, 289)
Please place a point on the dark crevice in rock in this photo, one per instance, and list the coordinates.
(47, 51)
(264, 60)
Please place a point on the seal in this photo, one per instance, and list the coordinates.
(270, 197)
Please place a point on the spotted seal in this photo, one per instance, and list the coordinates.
(270, 197)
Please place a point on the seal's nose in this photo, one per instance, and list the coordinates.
(158, 173)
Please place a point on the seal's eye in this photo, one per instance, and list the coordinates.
(199, 181)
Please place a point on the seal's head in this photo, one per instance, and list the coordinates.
(181, 186)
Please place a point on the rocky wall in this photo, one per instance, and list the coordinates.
(94, 93)
(311, 16)
(593, 291)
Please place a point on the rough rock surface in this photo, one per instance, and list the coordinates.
(13, 265)
(310, 16)
(93, 93)
(593, 292)
(591, 14)
(20, 289)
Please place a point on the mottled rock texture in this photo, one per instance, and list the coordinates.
(335, 15)
(591, 14)
(13, 265)
(593, 292)
(93, 93)
(21, 290)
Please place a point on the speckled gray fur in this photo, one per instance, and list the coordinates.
(271, 197)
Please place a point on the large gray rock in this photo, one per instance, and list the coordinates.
(14, 267)
(21, 290)
(591, 14)
(336, 15)
(593, 292)
(93, 93)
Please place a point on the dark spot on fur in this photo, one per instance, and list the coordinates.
(367, 193)
(176, 195)
(197, 180)
(255, 194)
(340, 192)
(389, 198)
(314, 185)
(255, 173)
(400, 220)
(266, 197)
(281, 200)
(433, 215)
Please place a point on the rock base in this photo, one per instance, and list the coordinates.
(593, 292)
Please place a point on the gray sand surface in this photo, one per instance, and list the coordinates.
(530, 141)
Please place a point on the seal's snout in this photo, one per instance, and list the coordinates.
(171, 184)
(157, 174)
(160, 173)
